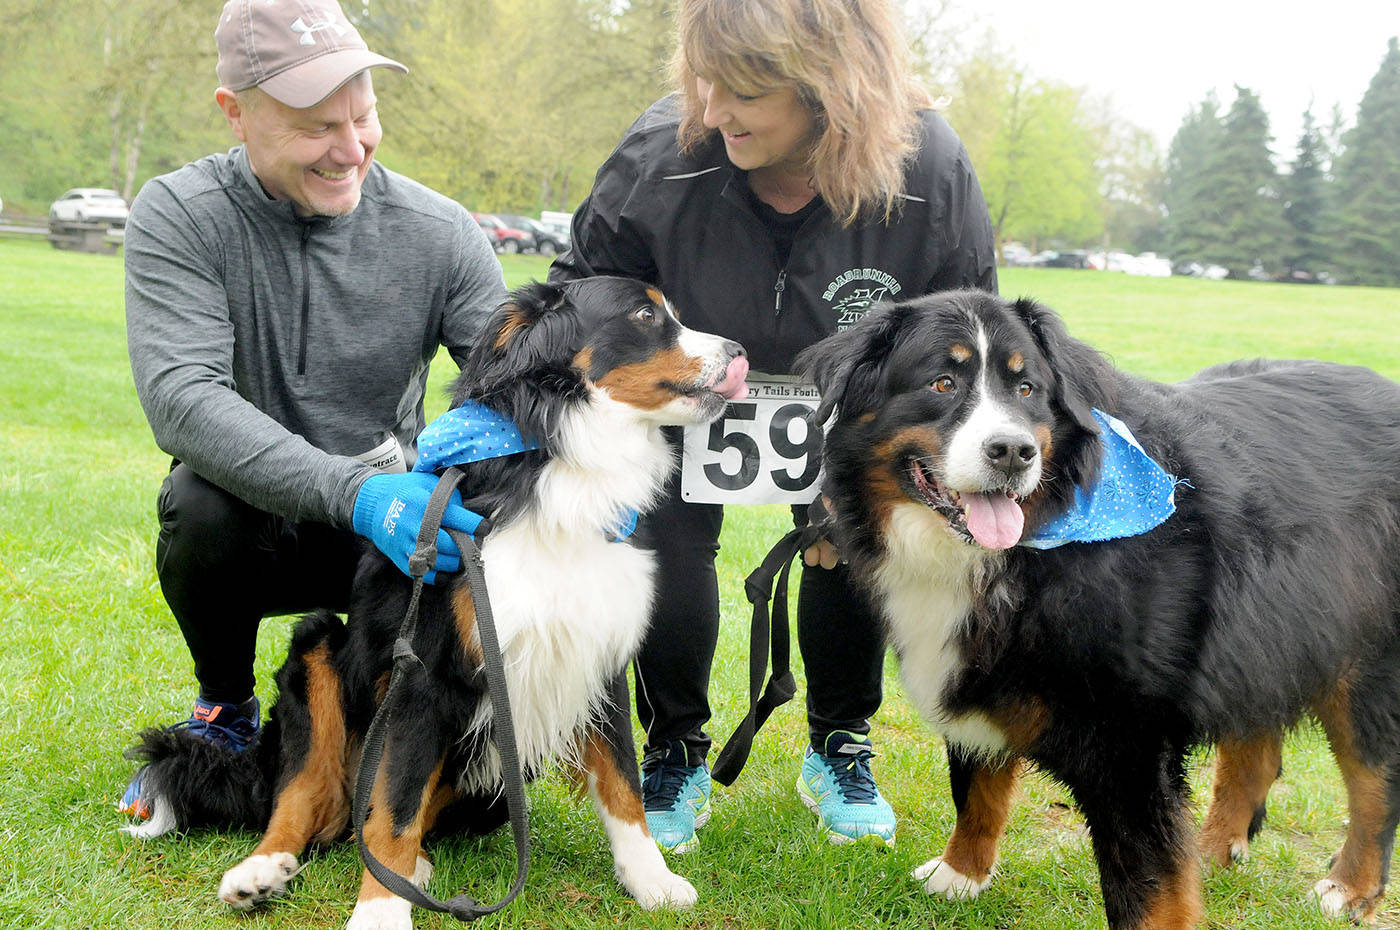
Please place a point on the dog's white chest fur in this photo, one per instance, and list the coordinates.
(567, 619)
(927, 578)
(570, 607)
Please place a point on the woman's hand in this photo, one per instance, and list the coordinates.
(821, 553)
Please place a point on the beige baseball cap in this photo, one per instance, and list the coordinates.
(298, 51)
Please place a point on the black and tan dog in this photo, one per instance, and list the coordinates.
(591, 370)
(964, 423)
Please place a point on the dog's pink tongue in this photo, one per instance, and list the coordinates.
(733, 386)
(994, 519)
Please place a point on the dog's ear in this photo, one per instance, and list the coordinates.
(1080, 372)
(848, 367)
(535, 326)
(520, 364)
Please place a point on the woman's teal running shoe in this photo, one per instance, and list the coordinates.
(837, 786)
(676, 796)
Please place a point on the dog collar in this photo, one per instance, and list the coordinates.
(1133, 494)
(474, 432)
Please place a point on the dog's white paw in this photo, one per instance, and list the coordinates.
(1335, 899)
(940, 878)
(655, 886)
(257, 878)
(422, 872)
(382, 914)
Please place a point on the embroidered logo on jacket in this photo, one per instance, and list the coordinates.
(853, 292)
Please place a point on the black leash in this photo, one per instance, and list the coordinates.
(463, 906)
(759, 588)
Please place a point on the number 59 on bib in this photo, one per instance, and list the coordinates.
(766, 449)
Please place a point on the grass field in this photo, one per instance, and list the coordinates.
(91, 655)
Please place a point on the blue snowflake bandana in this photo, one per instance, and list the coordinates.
(1133, 495)
(474, 432)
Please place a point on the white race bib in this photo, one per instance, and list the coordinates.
(764, 450)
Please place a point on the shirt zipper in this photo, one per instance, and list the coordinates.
(305, 300)
(778, 287)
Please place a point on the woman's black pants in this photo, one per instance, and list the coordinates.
(838, 633)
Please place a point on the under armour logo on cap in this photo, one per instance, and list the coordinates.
(296, 51)
(308, 36)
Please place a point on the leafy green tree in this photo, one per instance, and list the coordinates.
(1222, 191)
(1034, 151)
(1305, 194)
(1367, 240)
(513, 104)
(130, 95)
(1130, 171)
(1245, 186)
(1191, 223)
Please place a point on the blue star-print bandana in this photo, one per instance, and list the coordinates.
(474, 432)
(1133, 495)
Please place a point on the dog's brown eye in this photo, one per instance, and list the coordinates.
(644, 314)
(943, 385)
(1025, 389)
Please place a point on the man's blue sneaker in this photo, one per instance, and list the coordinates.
(837, 786)
(676, 796)
(233, 726)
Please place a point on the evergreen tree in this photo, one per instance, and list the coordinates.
(1190, 223)
(1248, 228)
(1305, 194)
(1367, 240)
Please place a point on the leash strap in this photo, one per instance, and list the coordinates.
(760, 589)
(463, 906)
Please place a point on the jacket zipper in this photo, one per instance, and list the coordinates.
(305, 300)
(778, 287)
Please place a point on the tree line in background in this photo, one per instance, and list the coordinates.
(1335, 211)
(511, 106)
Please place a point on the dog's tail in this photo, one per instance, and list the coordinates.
(190, 782)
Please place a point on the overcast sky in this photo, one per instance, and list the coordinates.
(1159, 59)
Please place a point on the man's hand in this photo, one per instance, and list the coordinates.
(389, 511)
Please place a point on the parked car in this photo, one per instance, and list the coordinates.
(1210, 272)
(547, 242)
(90, 205)
(1070, 258)
(1148, 264)
(1015, 254)
(505, 237)
(557, 222)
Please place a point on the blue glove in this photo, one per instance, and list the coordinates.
(389, 511)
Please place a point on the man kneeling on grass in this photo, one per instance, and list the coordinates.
(284, 300)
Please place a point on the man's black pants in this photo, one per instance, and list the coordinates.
(224, 565)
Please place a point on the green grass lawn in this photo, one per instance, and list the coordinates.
(91, 655)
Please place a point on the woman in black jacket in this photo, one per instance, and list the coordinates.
(795, 178)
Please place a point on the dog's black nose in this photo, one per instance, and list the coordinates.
(1009, 454)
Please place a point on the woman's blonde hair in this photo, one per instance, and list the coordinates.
(849, 63)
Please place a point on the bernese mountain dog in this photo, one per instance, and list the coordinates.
(591, 370)
(1265, 587)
